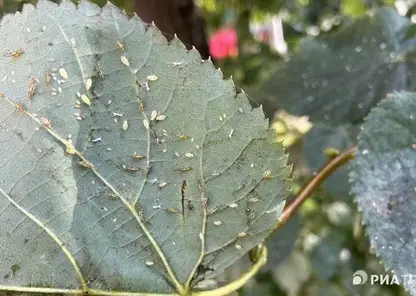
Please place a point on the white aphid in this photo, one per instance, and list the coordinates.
(233, 205)
(149, 263)
(146, 123)
(88, 84)
(189, 154)
(117, 114)
(240, 109)
(160, 117)
(176, 63)
(163, 184)
(253, 200)
(177, 154)
(85, 99)
(238, 247)
(241, 234)
(63, 73)
(152, 78)
(78, 94)
(217, 223)
(153, 115)
(266, 174)
(125, 61)
(125, 125)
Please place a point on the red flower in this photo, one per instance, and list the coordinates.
(223, 43)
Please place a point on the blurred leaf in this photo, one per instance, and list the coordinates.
(281, 243)
(292, 273)
(337, 79)
(353, 8)
(383, 178)
(328, 290)
(289, 129)
(314, 144)
(340, 214)
(324, 257)
(263, 285)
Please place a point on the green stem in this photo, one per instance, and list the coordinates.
(237, 284)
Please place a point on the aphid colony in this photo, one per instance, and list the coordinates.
(155, 116)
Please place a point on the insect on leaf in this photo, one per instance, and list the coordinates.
(94, 212)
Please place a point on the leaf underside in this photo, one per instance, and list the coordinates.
(337, 78)
(170, 177)
(383, 180)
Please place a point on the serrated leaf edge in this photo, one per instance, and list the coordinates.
(388, 266)
(180, 288)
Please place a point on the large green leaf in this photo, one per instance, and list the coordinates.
(383, 180)
(338, 78)
(129, 163)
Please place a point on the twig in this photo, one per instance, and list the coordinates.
(313, 183)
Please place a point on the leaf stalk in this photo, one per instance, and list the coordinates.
(313, 183)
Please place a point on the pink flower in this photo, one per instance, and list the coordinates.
(223, 43)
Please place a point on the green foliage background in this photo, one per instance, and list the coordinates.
(329, 241)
